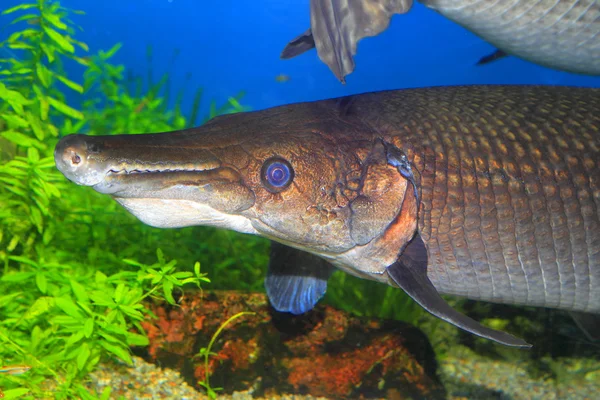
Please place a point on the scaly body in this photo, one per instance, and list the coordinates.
(510, 185)
(487, 192)
(561, 34)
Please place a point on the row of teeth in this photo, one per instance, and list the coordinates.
(146, 171)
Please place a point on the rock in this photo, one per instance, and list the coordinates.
(325, 352)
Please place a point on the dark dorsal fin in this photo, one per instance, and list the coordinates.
(298, 45)
(344, 104)
(296, 280)
(410, 273)
(496, 55)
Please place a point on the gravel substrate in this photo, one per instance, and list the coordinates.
(481, 379)
(147, 381)
(464, 378)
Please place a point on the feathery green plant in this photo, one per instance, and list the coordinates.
(71, 295)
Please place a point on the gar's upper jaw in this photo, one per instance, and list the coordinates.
(72, 158)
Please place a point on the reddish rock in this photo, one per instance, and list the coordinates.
(325, 352)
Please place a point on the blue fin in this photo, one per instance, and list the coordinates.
(296, 280)
(410, 273)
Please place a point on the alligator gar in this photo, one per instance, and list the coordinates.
(486, 192)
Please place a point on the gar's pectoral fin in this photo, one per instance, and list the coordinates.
(296, 280)
(336, 26)
(410, 274)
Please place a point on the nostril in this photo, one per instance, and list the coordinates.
(75, 159)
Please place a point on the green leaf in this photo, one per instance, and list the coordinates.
(100, 277)
(41, 282)
(21, 46)
(43, 74)
(120, 352)
(65, 109)
(4, 300)
(54, 20)
(134, 339)
(168, 291)
(61, 40)
(36, 217)
(132, 312)
(119, 292)
(79, 291)
(36, 127)
(17, 277)
(18, 138)
(69, 307)
(82, 357)
(33, 154)
(69, 83)
(109, 337)
(25, 17)
(14, 98)
(88, 328)
(36, 337)
(19, 7)
(11, 246)
(65, 321)
(13, 182)
(133, 262)
(24, 260)
(44, 106)
(74, 338)
(14, 393)
(15, 120)
(48, 235)
(14, 38)
(48, 51)
(83, 45)
(101, 298)
(41, 306)
(112, 51)
(85, 307)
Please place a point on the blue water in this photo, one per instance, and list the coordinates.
(233, 45)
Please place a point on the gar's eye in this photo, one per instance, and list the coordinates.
(276, 174)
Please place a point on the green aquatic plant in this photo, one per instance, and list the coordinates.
(70, 294)
(206, 352)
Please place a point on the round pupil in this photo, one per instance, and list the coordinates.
(278, 174)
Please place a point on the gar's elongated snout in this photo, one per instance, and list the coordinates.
(149, 173)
